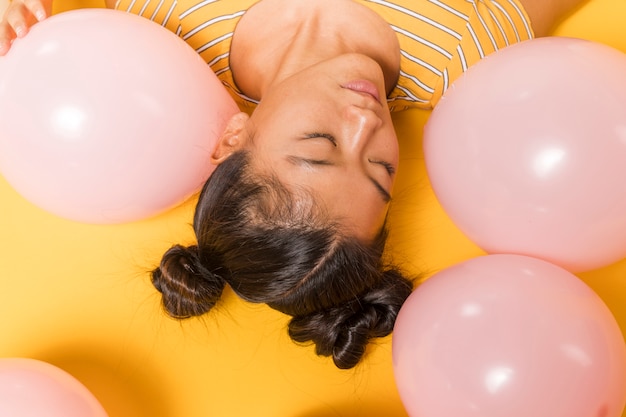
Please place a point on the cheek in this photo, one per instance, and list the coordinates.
(388, 140)
(393, 144)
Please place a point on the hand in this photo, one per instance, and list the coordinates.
(18, 17)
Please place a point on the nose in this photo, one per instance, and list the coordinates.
(360, 127)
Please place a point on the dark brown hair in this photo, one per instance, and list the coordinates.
(253, 236)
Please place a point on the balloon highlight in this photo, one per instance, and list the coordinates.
(526, 152)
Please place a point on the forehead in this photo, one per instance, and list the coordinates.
(349, 202)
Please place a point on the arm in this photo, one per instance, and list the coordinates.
(545, 15)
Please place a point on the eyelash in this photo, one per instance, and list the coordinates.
(390, 168)
(328, 136)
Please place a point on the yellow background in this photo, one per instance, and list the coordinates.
(78, 296)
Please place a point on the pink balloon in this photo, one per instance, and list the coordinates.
(527, 152)
(30, 388)
(508, 335)
(107, 117)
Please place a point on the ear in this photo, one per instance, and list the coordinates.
(232, 140)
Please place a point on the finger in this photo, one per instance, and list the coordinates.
(36, 8)
(4, 47)
(17, 17)
(6, 37)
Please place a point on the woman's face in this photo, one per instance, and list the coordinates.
(328, 130)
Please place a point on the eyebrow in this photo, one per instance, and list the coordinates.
(298, 160)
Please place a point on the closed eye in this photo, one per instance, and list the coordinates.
(390, 168)
(297, 160)
(328, 136)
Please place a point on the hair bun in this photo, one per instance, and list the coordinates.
(344, 331)
(188, 288)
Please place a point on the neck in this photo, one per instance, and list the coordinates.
(305, 33)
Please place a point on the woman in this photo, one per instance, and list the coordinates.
(294, 215)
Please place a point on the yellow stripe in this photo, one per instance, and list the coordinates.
(208, 29)
(439, 39)
(163, 13)
(502, 21)
(428, 35)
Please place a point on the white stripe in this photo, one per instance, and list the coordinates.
(223, 70)
(479, 47)
(219, 58)
(409, 95)
(450, 9)
(423, 41)
(487, 29)
(446, 80)
(420, 62)
(169, 14)
(459, 50)
(213, 42)
(508, 18)
(156, 10)
(143, 9)
(502, 32)
(240, 95)
(196, 7)
(418, 17)
(529, 31)
(211, 22)
(130, 6)
(418, 82)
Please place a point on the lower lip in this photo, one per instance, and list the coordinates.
(363, 86)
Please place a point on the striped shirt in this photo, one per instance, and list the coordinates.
(439, 39)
